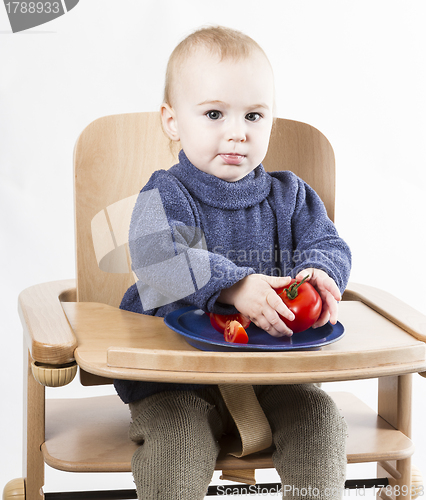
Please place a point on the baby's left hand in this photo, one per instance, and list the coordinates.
(329, 293)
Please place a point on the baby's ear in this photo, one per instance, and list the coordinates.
(168, 118)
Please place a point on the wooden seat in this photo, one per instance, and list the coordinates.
(78, 320)
(76, 430)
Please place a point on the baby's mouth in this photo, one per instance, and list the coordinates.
(232, 158)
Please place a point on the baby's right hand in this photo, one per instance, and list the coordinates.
(254, 296)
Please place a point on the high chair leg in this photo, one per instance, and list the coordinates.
(34, 420)
(394, 405)
(398, 473)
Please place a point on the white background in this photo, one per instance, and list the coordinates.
(354, 70)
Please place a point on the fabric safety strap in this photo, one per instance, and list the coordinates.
(252, 424)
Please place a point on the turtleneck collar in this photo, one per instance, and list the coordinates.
(215, 192)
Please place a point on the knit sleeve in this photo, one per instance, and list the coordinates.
(316, 240)
(169, 252)
(307, 237)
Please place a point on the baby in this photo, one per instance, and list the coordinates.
(222, 214)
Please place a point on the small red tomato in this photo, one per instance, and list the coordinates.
(218, 321)
(303, 301)
(235, 333)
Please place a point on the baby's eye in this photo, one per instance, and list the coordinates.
(214, 115)
(253, 117)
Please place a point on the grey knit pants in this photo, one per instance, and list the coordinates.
(178, 433)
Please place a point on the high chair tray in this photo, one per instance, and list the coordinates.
(196, 328)
(120, 344)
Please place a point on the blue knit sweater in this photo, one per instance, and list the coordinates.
(193, 232)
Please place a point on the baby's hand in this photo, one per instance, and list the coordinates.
(329, 293)
(254, 296)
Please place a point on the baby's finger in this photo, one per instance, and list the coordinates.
(306, 273)
(329, 311)
(278, 334)
(333, 308)
(323, 319)
(334, 290)
(278, 305)
(276, 326)
(277, 281)
(273, 332)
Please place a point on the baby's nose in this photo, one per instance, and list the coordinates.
(237, 132)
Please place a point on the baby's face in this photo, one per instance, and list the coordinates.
(223, 111)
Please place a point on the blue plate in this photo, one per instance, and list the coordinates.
(195, 326)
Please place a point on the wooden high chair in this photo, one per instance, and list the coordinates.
(74, 323)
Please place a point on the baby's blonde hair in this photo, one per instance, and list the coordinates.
(227, 43)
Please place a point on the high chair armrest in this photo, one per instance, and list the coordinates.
(389, 306)
(47, 332)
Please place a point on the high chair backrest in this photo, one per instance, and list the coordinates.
(113, 159)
